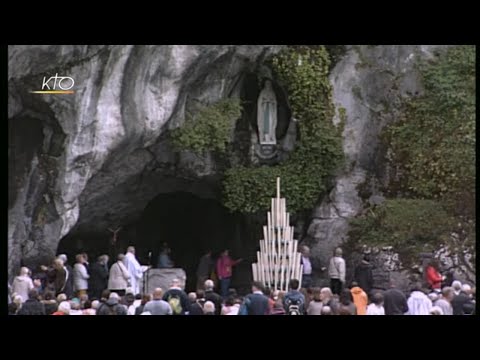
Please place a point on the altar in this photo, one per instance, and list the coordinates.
(162, 278)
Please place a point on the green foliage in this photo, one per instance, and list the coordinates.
(432, 148)
(303, 71)
(409, 225)
(209, 129)
(433, 144)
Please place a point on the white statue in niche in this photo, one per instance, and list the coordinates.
(267, 114)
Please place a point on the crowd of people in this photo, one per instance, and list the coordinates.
(96, 289)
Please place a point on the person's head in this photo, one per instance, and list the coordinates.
(33, 294)
(268, 84)
(24, 271)
(267, 292)
(433, 296)
(354, 284)
(131, 249)
(145, 298)
(114, 296)
(327, 310)
(305, 251)
(75, 304)
(49, 295)
(58, 264)
(95, 304)
(232, 292)
(225, 252)
(448, 293)
(61, 298)
(467, 289)
(326, 294)
(436, 310)
(105, 294)
(175, 283)
(209, 285)
(346, 297)
(200, 294)
(120, 257)
(64, 307)
(85, 256)
(103, 259)
(434, 263)
(129, 299)
(192, 297)
(417, 287)
(338, 252)
(294, 284)
(157, 294)
(209, 308)
(12, 308)
(63, 257)
(257, 286)
(377, 298)
(208, 252)
(317, 294)
(230, 301)
(366, 258)
(457, 285)
(79, 258)
(87, 304)
(18, 300)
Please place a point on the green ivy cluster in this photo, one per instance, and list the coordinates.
(433, 144)
(210, 128)
(432, 147)
(303, 72)
(408, 225)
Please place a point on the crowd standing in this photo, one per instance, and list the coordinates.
(96, 289)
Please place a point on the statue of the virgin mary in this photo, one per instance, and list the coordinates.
(267, 114)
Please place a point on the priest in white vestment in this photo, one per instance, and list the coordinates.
(134, 268)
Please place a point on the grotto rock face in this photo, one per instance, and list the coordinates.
(368, 86)
(95, 158)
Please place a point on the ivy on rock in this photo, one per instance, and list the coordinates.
(303, 72)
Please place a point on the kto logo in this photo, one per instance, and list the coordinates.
(56, 85)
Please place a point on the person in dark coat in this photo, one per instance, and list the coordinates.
(363, 275)
(32, 306)
(197, 307)
(68, 288)
(257, 302)
(98, 277)
(461, 303)
(394, 301)
(49, 302)
(212, 296)
(204, 269)
(112, 306)
(175, 293)
(145, 299)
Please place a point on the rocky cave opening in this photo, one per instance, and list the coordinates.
(188, 223)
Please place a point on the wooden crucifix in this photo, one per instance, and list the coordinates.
(113, 242)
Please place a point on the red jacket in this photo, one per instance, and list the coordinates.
(224, 266)
(434, 278)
